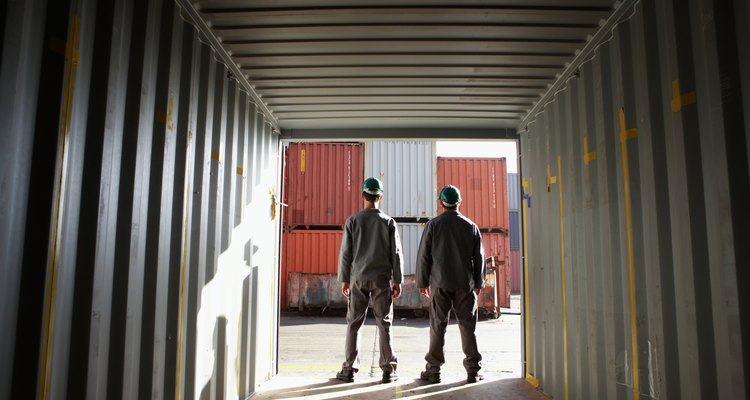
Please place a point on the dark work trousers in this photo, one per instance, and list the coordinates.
(464, 304)
(382, 308)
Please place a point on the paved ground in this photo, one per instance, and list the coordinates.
(311, 352)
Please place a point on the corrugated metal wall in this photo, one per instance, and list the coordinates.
(638, 227)
(514, 194)
(410, 234)
(138, 250)
(483, 186)
(407, 169)
(514, 229)
(514, 269)
(309, 252)
(323, 183)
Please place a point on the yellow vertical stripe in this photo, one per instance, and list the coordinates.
(183, 267)
(624, 136)
(302, 161)
(48, 317)
(524, 204)
(562, 267)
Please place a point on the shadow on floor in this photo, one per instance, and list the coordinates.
(287, 388)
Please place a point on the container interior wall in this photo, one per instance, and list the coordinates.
(407, 169)
(20, 90)
(161, 281)
(637, 228)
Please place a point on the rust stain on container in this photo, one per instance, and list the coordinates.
(322, 181)
(496, 244)
(410, 298)
(515, 271)
(310, 290)
(496, 248)
(483, 185)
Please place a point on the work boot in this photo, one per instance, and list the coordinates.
(474, 377)
(346, 375)
(430, 377)
(389, 376)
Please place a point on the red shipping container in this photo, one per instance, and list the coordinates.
(496, 245)
(515, 271)
(322, 183)
(483, 185)
(308, 251)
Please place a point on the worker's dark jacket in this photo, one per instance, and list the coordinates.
(371, 246)
(451, 255)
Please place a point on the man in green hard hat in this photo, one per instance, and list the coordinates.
(450, 271)
(370, 266)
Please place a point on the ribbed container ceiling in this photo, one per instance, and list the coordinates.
(321, 64)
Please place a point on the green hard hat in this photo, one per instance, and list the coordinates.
(372, 186)
(450, 196)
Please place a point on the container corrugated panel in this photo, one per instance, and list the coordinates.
(307, 290)
(483, 186)
(322, 183)
(515, 271)
(488, 300)
(495, 245)
(410, 234)
(407, 169)
(165, 250)
(502, 288)
(639, 248)
(514, 192)
(309, 252)
(514, 230)
(410, 298)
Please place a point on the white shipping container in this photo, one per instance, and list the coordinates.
(514, 192)
(407, 169)
(410, 234)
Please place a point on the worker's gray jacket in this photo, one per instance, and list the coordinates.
(451, 255)
(371, 246)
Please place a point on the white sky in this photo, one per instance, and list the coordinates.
(490, 149)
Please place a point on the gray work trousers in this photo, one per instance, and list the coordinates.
(382, 308)
(464, 304)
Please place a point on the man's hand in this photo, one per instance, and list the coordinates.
(425, 291)
(345, 289)
(396, 290)
(477, 290)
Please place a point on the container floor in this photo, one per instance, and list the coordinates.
(311, 352)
